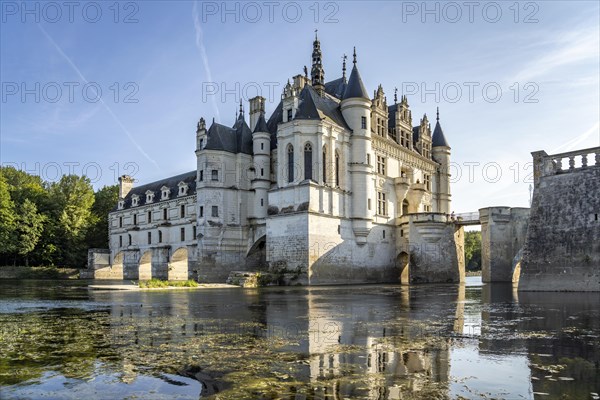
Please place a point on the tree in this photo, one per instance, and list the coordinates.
(7, 219)
(105, 200)
(30, 225)
(71, 199)
(473, 250)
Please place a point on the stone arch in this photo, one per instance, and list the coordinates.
(178, 267)
(145, 266)
(403, 261)
(256, 258)
(116, 268)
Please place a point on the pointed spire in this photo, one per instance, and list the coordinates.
(438, 139)
(437, 118)
(241, 107)
(354, 61)
(344, 68)
(317, 72)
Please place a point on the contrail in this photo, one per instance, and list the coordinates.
(570, 145)
(202, 49)
(112, 114)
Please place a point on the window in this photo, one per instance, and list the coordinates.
(262, 146)
(120, 222)
(363, 122)
(401, 232)
(165, 213)
(135, 219)
(201, 143)
(120, 241)
(307, 161)
(134, 200)
(121, 204)
(381, 161)
(337, 169)
(262, 202)
(215, 175)
(129, 239)
(383, 233)
(201, 211)
(194, 231)
(381, 204)
(159, 236)
(165, 193)
(182, 234)
(290, 151)
(427, 179)
(289, 114)
(368, 159)
(182, 211)
(262, 172)
(201, 178)
(405, 207)
(369, 204)
(149, 237)
(149, 196)
(215, 211)
(149, 216)
(324, 165)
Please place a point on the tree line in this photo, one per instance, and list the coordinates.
(51, 223)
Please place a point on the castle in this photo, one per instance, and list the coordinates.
(333, 187)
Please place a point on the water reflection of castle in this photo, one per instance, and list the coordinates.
(391, 342)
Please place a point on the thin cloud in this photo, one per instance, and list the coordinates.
(574, 47)
(106, 107)
(202, 49)
(572, 144)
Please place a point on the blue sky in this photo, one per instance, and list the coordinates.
(149, 67)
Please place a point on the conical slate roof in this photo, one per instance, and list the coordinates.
(438, 139)
(355, 87)
(261, 124)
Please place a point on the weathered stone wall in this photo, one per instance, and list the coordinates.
(503, 232)
(435, 247)
(562, 251)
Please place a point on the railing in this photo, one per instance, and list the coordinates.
(466, 218)
(545, 165)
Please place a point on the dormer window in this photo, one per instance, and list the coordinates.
(135, 200)
(121, 204)
(165, 192)
(183, 189)
(149, 196)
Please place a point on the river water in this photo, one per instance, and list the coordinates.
(59, 340)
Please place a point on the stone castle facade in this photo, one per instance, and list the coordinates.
(335, 186)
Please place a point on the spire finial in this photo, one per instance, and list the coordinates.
(395, 95)
(316, 37)
(344, 67)
(437, 118)
(354, 61)
(241, 107)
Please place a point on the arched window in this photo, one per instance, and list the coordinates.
(324, 165)
(290, 151)
(337, 169)
(405, 207)
(307, 161)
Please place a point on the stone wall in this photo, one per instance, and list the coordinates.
(562, 251)
(503, 232)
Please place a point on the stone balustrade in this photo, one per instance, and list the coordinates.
(545, 164)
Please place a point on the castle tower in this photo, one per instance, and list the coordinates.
(440, 152)
(356, 109)
(317, 72)
(261, 183)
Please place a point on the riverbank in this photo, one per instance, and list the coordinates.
(135, 287)
(21, 272)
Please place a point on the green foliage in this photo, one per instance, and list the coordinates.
(51, 223)
(7, 218)
(157, 283)
(473, 250)
(30, 225)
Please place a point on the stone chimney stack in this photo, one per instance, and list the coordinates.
(257, 105)
(299, 82)
(125, 185)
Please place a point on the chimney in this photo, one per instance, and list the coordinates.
(125, 185)
(257, 105)
(299, 82)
